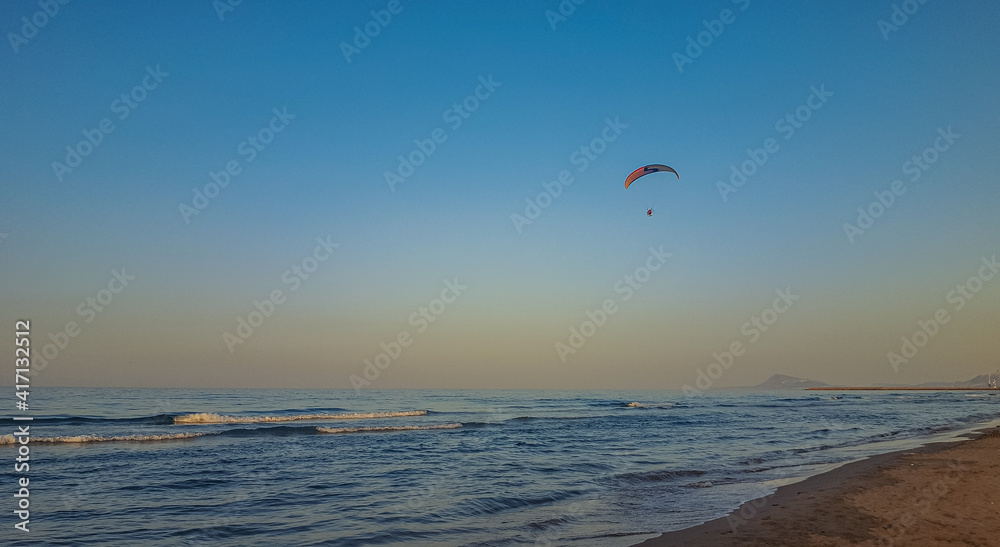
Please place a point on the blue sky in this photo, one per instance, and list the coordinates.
(324, 175)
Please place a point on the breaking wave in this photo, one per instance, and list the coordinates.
(211, 418)
(9, 439)
(275, 431)
(644, 405)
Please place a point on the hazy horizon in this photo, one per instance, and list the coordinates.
(383, 195)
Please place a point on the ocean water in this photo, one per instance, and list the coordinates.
(427, 467)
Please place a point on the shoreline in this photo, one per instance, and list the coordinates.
(941, 493)
(885, 388)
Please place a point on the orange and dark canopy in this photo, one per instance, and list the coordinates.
(647, 169)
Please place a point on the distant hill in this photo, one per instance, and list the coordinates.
(978, 381)
(780, 381)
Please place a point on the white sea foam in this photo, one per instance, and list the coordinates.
(9, 439)
(643, 405)
(378, 429)
(211, 418)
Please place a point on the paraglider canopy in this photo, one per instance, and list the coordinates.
(647, 169)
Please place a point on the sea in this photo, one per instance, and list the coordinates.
(434, 467)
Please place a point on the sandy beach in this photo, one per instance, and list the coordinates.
(940, 494)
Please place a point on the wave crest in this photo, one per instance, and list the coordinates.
(644, 405)
(9, 439)
(212, 418)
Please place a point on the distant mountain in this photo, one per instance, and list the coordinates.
(780, 381)
(978, 381)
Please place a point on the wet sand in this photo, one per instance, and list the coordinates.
(940, 494)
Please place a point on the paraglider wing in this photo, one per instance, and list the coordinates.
(645, 170)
